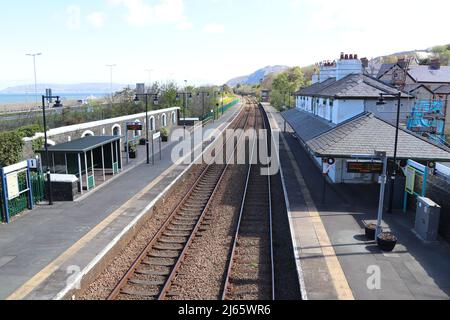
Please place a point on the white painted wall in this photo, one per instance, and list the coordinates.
(388, 112)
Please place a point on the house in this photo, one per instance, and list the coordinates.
(442, 93)
(432, 76)
(341, 90)
(338, 118)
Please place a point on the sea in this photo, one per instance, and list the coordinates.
(6, 98)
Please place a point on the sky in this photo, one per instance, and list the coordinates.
(202, 41)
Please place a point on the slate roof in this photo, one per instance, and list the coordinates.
(306, 125)
(367, 133)
(385, 67)
(82, 145)
(353, 86)
(445, 89)
(423, 73)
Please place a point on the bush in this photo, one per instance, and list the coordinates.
(164, 132)
(29, 131)
(11, 148)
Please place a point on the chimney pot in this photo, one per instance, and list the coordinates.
(346, 57)
(342, 56)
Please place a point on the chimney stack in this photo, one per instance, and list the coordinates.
(435, 64)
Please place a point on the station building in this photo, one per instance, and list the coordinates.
(339, 118)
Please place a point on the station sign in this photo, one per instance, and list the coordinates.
(134, 127)
(365, 167)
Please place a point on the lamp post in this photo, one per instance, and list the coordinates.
(186, 96)
(203, 94)
(49, 98)
(380, 102)
(155, 102)
(34, 55)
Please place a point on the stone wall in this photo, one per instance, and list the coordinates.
(116, 126)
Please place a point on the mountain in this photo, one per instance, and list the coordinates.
(65, 88)
(256, 77)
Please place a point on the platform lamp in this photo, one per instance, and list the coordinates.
(186, 96)
(49, 97)
(381, 102)
(202, 94)
(155, 102)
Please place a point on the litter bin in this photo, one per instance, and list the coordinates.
(428, 216)
(64, 187)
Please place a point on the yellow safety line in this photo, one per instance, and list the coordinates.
(41, 276)
(334, 267)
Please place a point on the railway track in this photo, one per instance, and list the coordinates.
(250, 272)
(151, 275)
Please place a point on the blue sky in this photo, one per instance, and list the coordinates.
(203, 41)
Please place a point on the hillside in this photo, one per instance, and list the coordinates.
(256, 77)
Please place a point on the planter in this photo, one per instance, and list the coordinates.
(142, 142)
(386, 241)
(164, 139)
(133, 154)
(371, 230)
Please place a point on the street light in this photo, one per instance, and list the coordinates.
(186, 96)
(58, 104)
(381, 102)
(34, 55)
(155, 102)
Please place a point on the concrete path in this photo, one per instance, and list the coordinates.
(334, 255)
(48, 241)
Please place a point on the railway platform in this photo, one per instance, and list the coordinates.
(50, 250)
(334, 260)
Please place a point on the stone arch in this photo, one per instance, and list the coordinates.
(88, 133)
(116, 130)
(152, 123)
(164, 120)
(174, 118)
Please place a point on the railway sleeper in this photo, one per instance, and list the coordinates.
(168, 246)
(159, 262)
(165, 254)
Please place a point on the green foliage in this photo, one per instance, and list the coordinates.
(29, 131)
(164, 132)
(37, 144)
(11, 146)
(284, 85)
(443, 52)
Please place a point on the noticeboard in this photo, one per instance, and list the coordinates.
(410, 180)
(12, 183)
(365, 167)
(156, 136)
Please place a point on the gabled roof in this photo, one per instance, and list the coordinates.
(353, 86)
(367, 133)
(414, 86)
(423, 73)
(385, 68)
(445, 89)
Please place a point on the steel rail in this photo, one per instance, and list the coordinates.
(127, 277)
(231, 262)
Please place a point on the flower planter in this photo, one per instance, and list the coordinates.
(133, 154)
(386, 241)
(371, 230)
(164, 139)
(142, 142)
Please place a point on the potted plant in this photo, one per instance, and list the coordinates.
(142, 141)
(386, 241)
(132, 151)
(371, 229)
(164, 134)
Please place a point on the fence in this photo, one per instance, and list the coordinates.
(25, 190)
(210, 114)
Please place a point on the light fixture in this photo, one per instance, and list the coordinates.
(381, 101)
(58, 103)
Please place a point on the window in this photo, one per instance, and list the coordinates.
(331, 102)
(164, 120)
(325, 102)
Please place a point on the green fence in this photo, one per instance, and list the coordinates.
(210, 115)
(20, 204)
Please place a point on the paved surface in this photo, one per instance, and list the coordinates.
(413, 271)
(40, 252)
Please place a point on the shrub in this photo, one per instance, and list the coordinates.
(29, 131)
(164, 132)
(11, 147)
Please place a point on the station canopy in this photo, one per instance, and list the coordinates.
(362, 135)
(82, 145)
